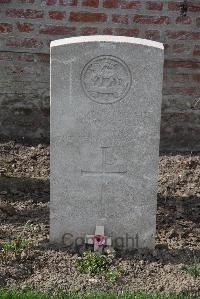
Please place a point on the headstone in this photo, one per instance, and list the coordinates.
(105, 126)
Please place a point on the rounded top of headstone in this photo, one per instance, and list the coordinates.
(106, 38)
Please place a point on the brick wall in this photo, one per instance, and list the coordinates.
(28, 26)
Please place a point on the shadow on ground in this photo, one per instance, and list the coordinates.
(19, 188)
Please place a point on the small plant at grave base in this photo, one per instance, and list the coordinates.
(92, 263)
(95, 263)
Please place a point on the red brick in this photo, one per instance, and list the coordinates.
(181, 90)
(179, 48)
(183, 20)
(196, 77)
(5, 27)
(27, 1)
(196, 51)
(57, 30)
(173, 5)
(190, 64)
(122, 19)
(25, 13)
(124, 4)
(68, 2)
(24, 43)
(198, 22)
(25, 27)
(128, 4)
(19, 70)
(87, 17)
(25, 57)
(194, 7)
(152, 34)
(144, 19)
(18, 57)
(111, 3)
(176, 5)
(127, 32)
(179, 78)
(108, 31)
(50, 2)
(88, 31)
(43, 57)
(154, 5)
(57, 15)
(184, 35)
(90, 3)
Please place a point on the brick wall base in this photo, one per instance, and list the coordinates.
(28, 26)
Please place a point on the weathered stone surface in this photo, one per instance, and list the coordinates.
(105, 124)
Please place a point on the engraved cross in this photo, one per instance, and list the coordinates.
(103, 173)
(103, 170)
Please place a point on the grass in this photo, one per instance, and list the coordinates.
(194, 269)
(32, 294)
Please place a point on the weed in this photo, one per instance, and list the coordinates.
(19, 245)
(4, 253)
(194, 269)
(15, 248)
(92, 263)
(112, 275)
(95, 263)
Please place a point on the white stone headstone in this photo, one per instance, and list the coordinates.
(105, 125)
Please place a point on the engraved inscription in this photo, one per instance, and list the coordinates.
(106, 79)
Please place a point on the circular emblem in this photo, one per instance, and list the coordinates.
(106, 79)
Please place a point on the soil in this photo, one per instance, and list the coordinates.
(24, 197)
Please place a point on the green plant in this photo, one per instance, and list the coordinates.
(194, 269)
(92, 263)
(95, 263)
(19, 245)
(15, 248)
(34, 294)
(4, 253)
(112, 275)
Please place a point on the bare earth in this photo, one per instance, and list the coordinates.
(24, 196)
